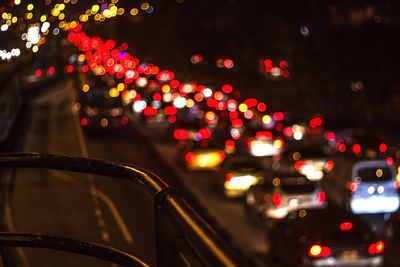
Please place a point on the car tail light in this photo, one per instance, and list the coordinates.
(318, 251)
(277, 199)
(189, 157)
(84, 122)
(180, 134)
(299, 164)
(329, 165)
(221, 155)
(396, 184)
(346, 226)
(383, 148)
(250, 142)
(352, 186)
(376, 248)
(356, 148)
(228, 177)
(204, 133)
(264, 135)
(321, 198)
(150, 111)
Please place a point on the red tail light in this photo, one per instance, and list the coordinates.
(150, 111)
(318, 251)
(205, 133)
(221, 155)
(356, 148)
(277, 199)
(329, 165)
(84, 122)
(383, 148)
(264, 135)
(189, 157)
(229, 144)
(376, 248)
(228, 177)
(180, 134)
(352, 186)
(321, 198)
(346, 226)
(396, 184)
(299, 164)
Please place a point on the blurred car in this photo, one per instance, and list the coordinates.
(364, 186)
(324, 237)
(202, 155)
(276, 197)
(100, 106)
(358, 142)
(240, 173)
(309, 161)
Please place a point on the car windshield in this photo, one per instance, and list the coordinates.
(375, 174)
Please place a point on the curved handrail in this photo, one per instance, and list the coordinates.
(70, 245)
(208, 245)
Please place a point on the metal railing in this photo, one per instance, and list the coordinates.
(183, 238)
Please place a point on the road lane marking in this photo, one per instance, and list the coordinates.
(9, 223)
(117, 216)
(84, 152)
(96, 193)
(107, 201)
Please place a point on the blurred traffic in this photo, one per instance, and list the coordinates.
(324, 193)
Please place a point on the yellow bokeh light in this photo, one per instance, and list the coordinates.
(243, 107)
(73, 24)
(134, 11)
(95, 9)
(166, 88)
(43, 18)
(120, 87)
(303, 213)
(266, 119)
(17, 2)
(276, 181)
(85, 88)
(189, 103)
(113, 92)
(81, 58)
(29, 7)
(61, 16)
(29, 15)
(144, 6)
(121, 11)
(55, 12)
(14, 20)
(62, 24)
(83, 18)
